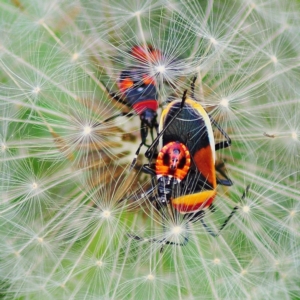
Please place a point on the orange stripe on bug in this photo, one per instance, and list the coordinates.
(205, 164)
(194, 202)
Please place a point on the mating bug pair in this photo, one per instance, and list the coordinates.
(184, 174)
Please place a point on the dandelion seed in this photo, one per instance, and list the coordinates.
(3, 147)
(244, 272)
(246, 209)
(99, 263)
(224, 102)
(87, 130)
(213, 41)
(40, 240)
(160, 69)
(274, 59)
(36, 90)
(177, 230)
(150, 277)
(294, 136)
(34, 185)
(217, 261)
(293, 213)
(75, 56)
(106, 214)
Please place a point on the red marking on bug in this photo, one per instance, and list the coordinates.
(139, 107)
(173, 160)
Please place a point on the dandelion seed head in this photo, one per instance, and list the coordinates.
(137, 13)
(106, 214)
(213, 41)
(40, 240)
(150, 277)
(224, 102)
(87, 130)
(244, 272)
(294, 135)
(274, 59)
(160, 69)
(75, 56)
(99, 263)
(246, 209)
(217, 261)
(292, 213)
(177, 230)
(34, 186)
(36, 90)
(3, 147)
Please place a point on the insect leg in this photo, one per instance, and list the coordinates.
(193, 87)
(210, 231)
(122, 114)
(220, 168)
(117, 98)
(223, 144)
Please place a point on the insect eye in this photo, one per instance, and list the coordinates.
(176, 151)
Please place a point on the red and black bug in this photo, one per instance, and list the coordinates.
(185, 170)
(138, 92)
